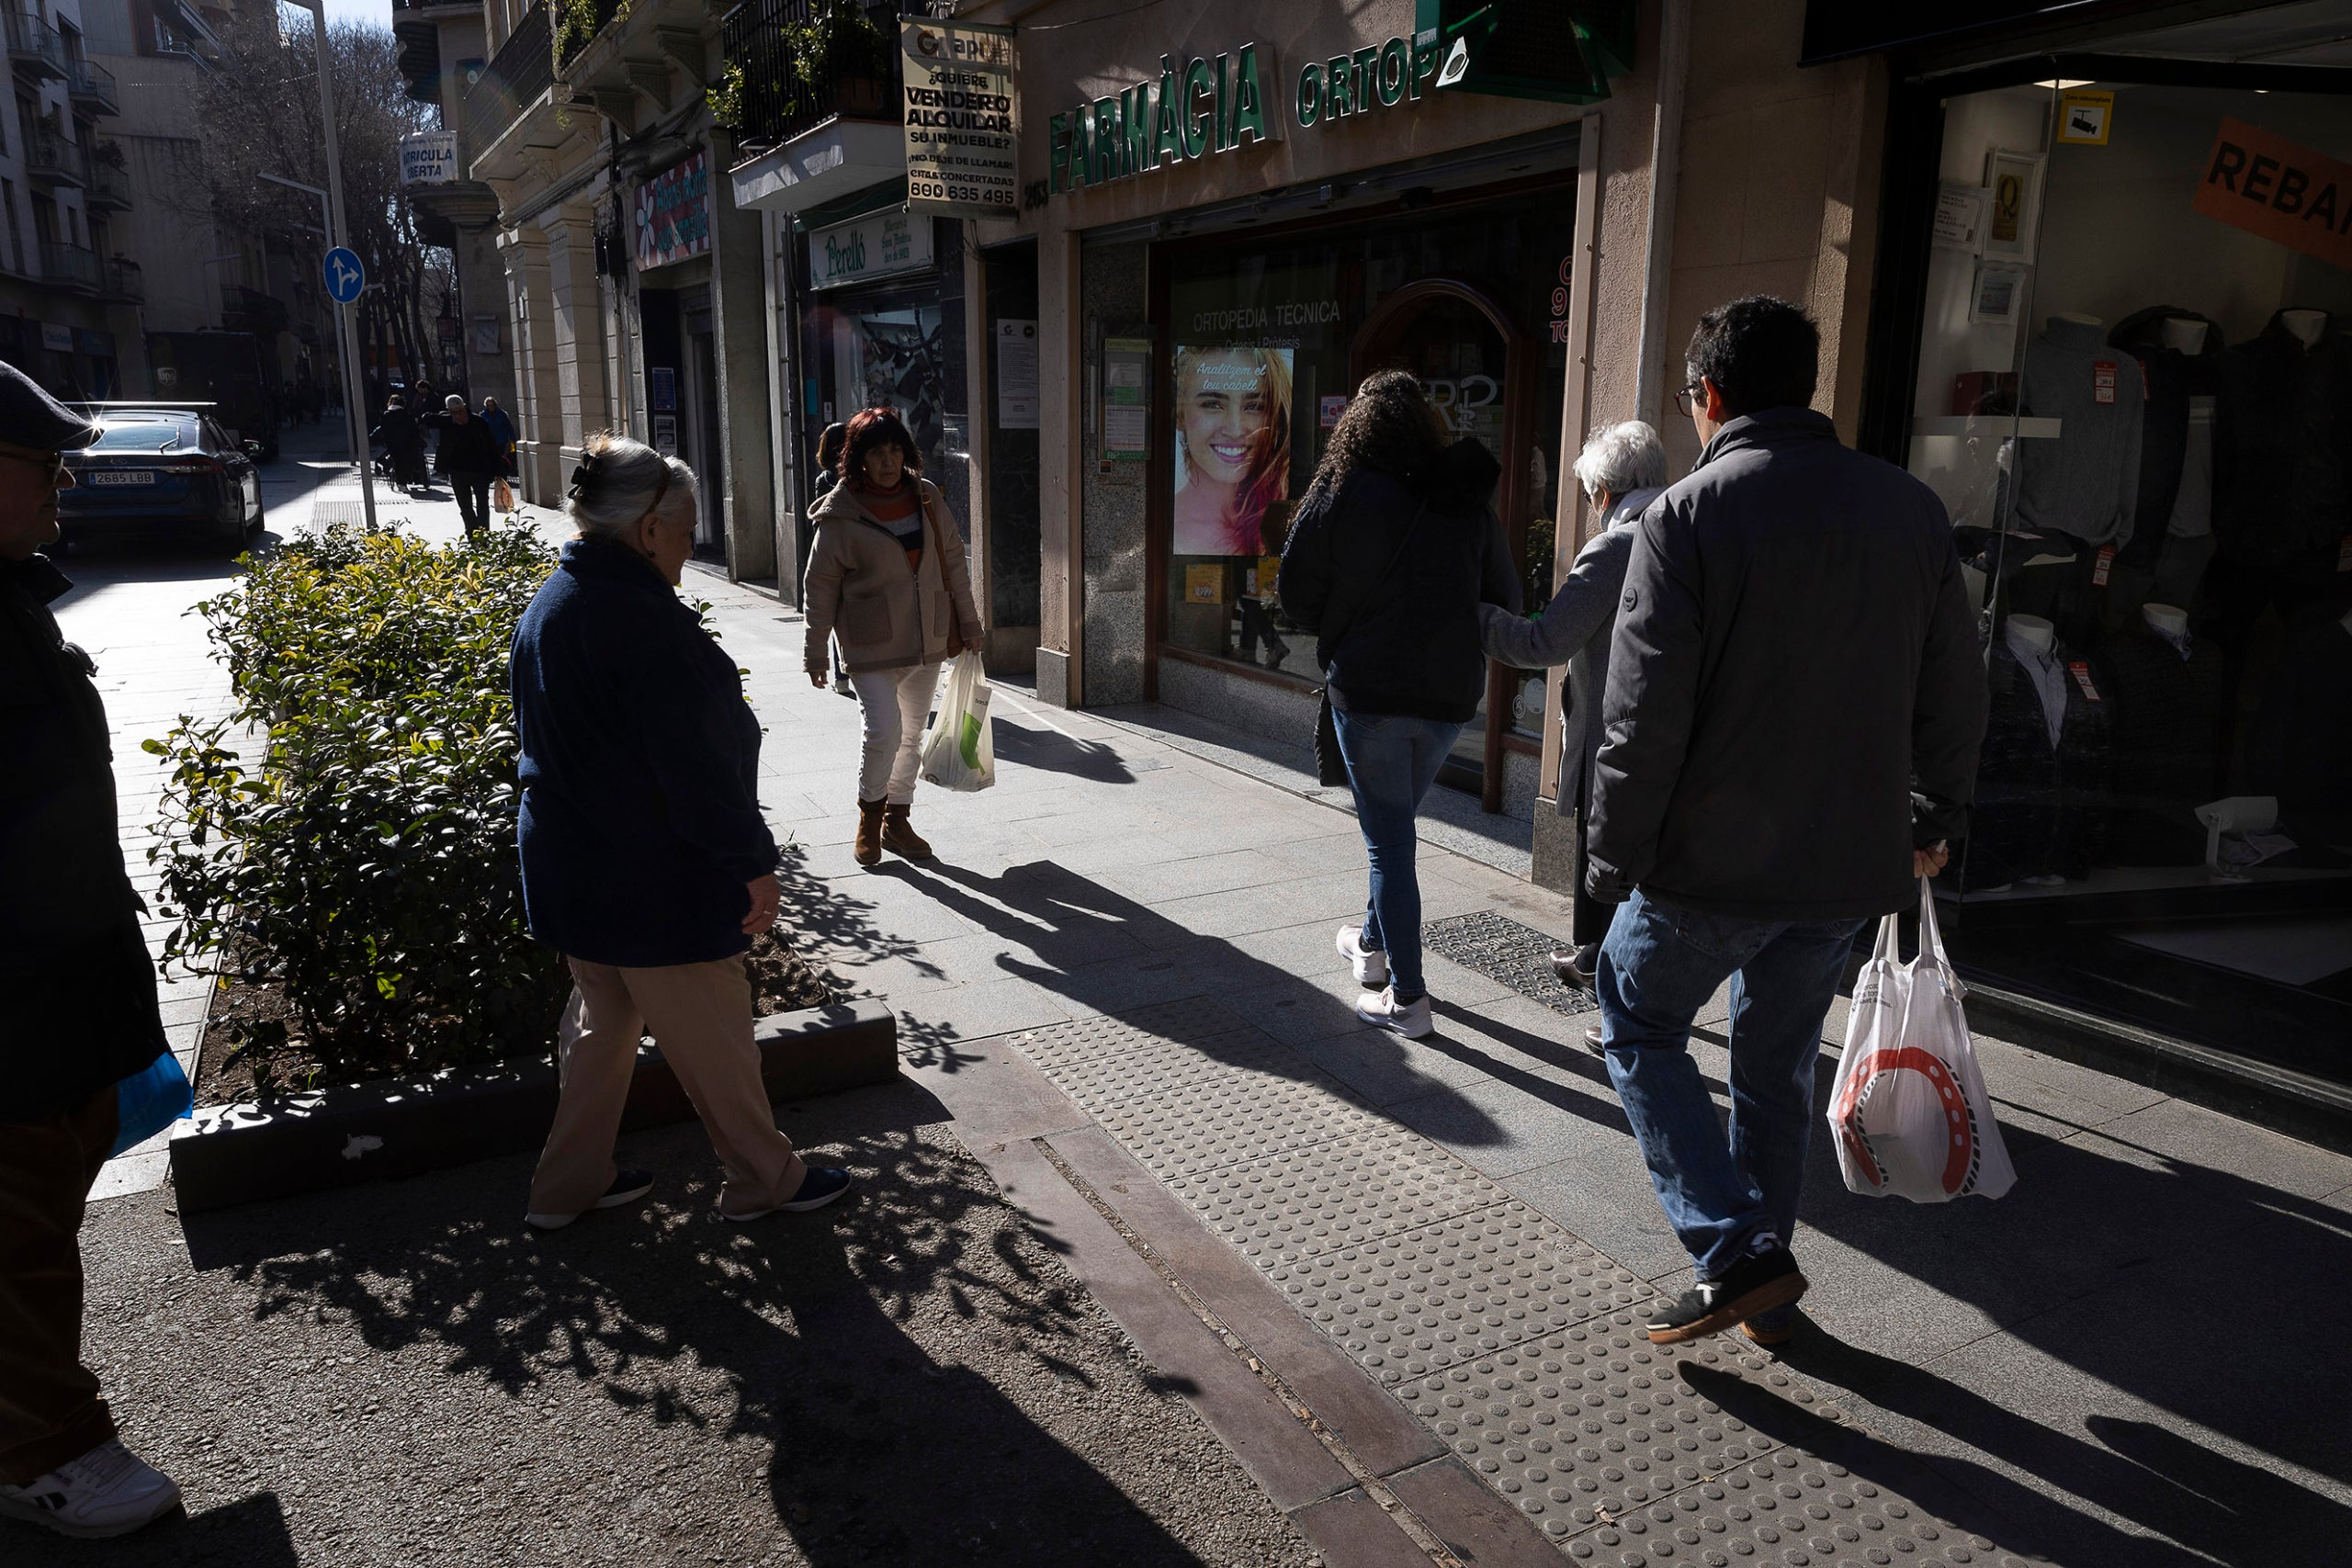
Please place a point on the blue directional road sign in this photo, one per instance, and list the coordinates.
(346, 278)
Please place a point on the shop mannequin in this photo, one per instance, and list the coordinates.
(2168, 622)
(2185, 334)
(2307, 325)
(2041, 792)
(2074, 317)
(2166, 688)
(2300, 750)
(2085, 483)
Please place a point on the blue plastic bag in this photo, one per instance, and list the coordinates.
(148, 1101)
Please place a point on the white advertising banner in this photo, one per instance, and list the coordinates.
(963, 129)
(429, 158)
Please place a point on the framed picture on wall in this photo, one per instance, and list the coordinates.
(2013, 204)
(1998, 296)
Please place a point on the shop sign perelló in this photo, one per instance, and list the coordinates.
(672, 214)
(876, 245)
(962, 119)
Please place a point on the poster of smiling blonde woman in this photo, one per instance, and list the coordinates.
(1232, 449)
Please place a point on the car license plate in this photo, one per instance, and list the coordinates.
(120, 477)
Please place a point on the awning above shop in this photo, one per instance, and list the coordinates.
(840, 156)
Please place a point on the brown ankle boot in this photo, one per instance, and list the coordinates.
(899, 836)
(869, 831)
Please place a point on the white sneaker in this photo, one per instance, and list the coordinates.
(108, 1491)
(1410, 1020)
(1370, 963)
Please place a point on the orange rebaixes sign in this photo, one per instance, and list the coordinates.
(2267, 185)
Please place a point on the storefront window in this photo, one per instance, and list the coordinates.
(884, 351)
(1268, 337)
(2134, 396)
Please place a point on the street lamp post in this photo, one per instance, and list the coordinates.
(346, 327)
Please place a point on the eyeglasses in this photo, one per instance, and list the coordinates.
(54, 462)
(1692, 394)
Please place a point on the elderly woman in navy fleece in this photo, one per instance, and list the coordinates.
(645, 858)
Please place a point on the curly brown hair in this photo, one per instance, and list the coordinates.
(1389, 425)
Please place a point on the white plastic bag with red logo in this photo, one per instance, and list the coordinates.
(1908, 1111)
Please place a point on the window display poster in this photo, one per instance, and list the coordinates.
(1959, 216)
(1127, 398)
(2013, 179)
(1204, 585)
(2265, 185)
(1016, 375)
(1232, 430)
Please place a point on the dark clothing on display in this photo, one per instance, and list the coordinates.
(2086, 483)
(2042, 809)
(467, 447)
(2167, 740)
(640, 820)
(2171, 378)
(77, 990)
(1795, 694)
(2301, 750)
(2283, 450)
(1408, 642)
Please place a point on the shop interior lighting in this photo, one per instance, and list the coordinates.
(2063, 83)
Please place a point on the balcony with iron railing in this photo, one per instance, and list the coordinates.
(805, 61)
(522, 70)
(35, 47)
(69, 267)
(109, 185)
(92, 87)
(124, 280)
(250, 309)
(50, 160)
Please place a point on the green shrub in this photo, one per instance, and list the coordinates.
(360, 852)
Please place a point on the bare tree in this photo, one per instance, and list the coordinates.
(259, 113)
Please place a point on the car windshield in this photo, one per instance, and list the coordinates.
(144, 436)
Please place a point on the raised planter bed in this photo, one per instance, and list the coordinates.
(373, 1132)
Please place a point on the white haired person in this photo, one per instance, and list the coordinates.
(887, 580)
(1622, 470)
(645, 858)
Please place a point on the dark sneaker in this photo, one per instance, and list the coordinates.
(820, 1186)
(1750, 1288)
(1771, 1329)
(628, 1186)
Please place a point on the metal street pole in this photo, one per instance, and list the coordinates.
(353, 428)
(347, 327)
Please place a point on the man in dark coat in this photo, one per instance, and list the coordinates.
(77, 1006)
(1794, 706)
(468, 457)
(398, 430)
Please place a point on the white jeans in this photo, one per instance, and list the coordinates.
(895, 704)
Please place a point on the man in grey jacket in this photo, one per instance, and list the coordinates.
(1794, 704)
(1622, 470)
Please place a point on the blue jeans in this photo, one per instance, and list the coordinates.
(1659, 965)
(1392, 761)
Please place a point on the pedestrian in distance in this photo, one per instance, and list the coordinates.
(1794, 704)
(77, 1006)
(1621, 470)
(646, 860)
(887, 580)
(501, 434)
(403, 440)
(829, 458)
(1394, 550)
(468, 457)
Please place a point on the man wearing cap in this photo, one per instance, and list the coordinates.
(469, 456)
(77, 1006)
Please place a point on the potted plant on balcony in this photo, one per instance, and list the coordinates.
(110, 154)
(840, 47)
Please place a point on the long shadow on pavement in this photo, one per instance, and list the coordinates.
(791, 1331)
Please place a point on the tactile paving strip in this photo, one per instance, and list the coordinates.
(1327, 1197)
(1501, 949)
(1513, 1340)
(1455, 1291)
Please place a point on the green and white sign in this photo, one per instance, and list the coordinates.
(876, 245)
(1203, 107)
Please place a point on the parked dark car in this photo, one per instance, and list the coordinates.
(160, 473)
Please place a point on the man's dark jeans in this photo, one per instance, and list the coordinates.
(50, 1407)
(1659, 965)
(473, 500)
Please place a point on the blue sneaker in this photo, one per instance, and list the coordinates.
(628, 1186)
(820, 1186)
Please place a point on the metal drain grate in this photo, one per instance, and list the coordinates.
(1519, 956)
(1506, 1335)
(327, 512)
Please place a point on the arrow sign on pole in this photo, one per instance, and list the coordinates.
(344, 277)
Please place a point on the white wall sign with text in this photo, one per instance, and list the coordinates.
(429, 158)
(963, 125)
(1016, 375)
(873, 246)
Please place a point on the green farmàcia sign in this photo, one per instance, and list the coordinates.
(1560, 51)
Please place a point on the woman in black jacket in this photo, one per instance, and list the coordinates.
(1394, 550)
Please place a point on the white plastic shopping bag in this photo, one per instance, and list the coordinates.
(959, 748)
(1908, 1111)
